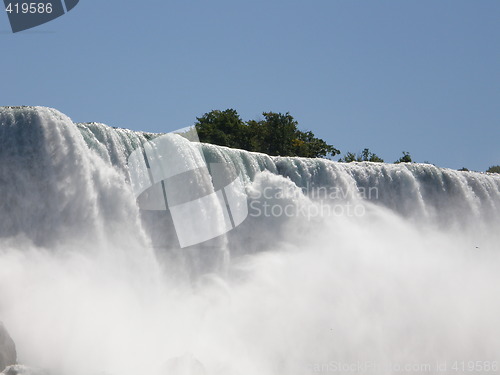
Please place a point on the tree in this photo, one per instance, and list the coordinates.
(280, 131)
(370, 156)
(223, 128)
(307, 145)
(349, 157)
(366, 155)
(406, 158)
(257, 133)
(276, 134)
(494, 169)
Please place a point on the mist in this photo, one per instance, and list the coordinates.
(406, 283)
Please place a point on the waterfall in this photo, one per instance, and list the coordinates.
(332, 267)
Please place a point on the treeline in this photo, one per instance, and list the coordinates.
(494, 169)
(367, 155)
(276, 134)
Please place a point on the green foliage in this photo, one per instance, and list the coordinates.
(494, 169)
(365, 155)
(463, 169)
(307, 145)
(349, 157)
(276, 134)
(406, 158)
(223, 128)
(370, 156)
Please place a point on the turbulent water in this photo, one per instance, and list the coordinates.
(338, 268)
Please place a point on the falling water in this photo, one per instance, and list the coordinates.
(338, 268)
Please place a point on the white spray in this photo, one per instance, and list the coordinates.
(408, 279)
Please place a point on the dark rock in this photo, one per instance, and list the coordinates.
(8, 354)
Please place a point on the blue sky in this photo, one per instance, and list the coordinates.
(418, 76)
